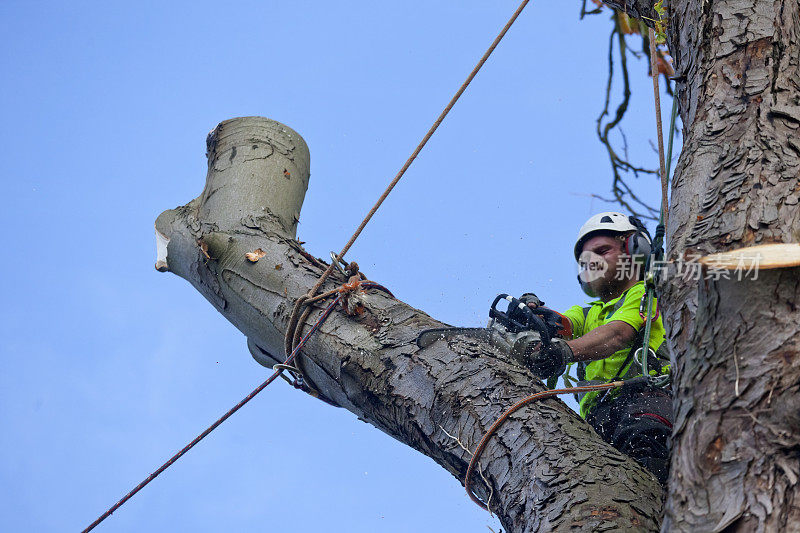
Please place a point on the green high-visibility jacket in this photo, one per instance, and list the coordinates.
(626, 309)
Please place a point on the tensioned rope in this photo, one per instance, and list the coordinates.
(292, 335)
(657, 251)
(295, 318)
(657, 97)
(213, 426)
(422, 143)
(279, 369)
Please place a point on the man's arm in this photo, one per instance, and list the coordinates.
(602, 341)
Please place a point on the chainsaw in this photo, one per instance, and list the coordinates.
(518, 331)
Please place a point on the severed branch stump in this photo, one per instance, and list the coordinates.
(545, 470)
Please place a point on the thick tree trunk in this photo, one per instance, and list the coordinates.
(736, 459)
(735, 344)
(546, 469)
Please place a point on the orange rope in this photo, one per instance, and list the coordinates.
(525, 401)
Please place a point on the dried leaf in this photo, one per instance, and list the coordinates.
(664, 65)
(625, 25)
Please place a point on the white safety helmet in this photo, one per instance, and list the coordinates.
(616, 222)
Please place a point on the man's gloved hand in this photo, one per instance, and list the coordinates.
(525, 314)
(529, 298)
(551, 360)
(557, 324)
(522, 313)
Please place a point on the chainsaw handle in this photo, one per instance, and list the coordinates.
(535, 322)
(502, 316)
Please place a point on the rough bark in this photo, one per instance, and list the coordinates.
(736, 460)
(546, 469)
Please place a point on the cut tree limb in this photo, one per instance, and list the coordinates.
(546, 469)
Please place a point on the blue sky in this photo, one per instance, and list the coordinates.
(110, 367)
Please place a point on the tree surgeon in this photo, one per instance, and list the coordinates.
(604, 338)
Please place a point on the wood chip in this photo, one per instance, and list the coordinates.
(255, 255)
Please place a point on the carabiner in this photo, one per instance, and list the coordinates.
(643, 308)
(339, 262)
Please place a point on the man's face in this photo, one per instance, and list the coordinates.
(600, 262)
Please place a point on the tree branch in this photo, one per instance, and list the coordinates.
(546, 469)
(622, 193)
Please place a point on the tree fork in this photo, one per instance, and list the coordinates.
(546, 469)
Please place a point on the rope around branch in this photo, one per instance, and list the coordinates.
(525, 401)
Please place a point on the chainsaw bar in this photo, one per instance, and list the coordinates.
(429, 336)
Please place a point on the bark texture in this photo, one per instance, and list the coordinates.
(734, 343)
(546, 469)
(736, 453)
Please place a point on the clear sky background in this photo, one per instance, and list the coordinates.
(109, 367)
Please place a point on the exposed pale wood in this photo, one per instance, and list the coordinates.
(763, 256)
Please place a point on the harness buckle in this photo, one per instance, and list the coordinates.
(659, 380)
